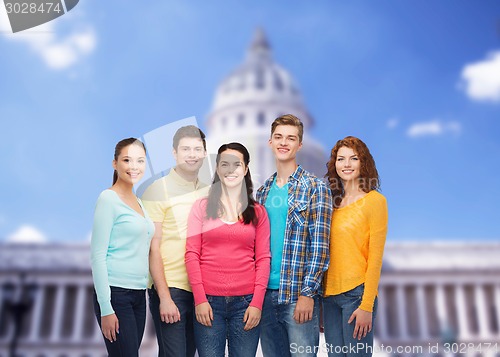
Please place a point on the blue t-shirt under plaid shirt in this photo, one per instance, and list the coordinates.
(307, 235)
(277, 211)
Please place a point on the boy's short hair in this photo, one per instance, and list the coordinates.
(188, 131)
(288, 119)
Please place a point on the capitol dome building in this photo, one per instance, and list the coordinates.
(246, 103)
(435, 298)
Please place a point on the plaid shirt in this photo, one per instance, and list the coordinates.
(307, 235)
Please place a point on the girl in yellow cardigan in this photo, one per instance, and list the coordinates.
(357, 238)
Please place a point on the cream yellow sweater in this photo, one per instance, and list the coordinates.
(357, 240)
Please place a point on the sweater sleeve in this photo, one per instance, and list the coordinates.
(104, 217)
(377, 220)
(193, 252)
(262, 257)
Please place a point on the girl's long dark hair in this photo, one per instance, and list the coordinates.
(122, 144)
(215, 209)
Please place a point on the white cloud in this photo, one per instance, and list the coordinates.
(58, 52)
(434, 128)
(27, 234)
(392, 123)
(482, 79)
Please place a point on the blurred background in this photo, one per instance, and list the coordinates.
(419, 82)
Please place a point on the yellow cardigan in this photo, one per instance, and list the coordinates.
(357, 242)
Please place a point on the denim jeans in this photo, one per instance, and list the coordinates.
(130, 309)
(337, 310)
(177, 339)
(227, 324)
(281, 336)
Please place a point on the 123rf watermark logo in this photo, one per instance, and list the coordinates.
(25, 14)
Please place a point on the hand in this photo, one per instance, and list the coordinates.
(169, 313)
(363, 323)
(204, 314)
(110, 327)
(251, 318)
(304, 309)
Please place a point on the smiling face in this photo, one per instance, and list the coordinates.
(189, 155)
(347, 164)
(130, 164)
(285, 142)
(231, 168)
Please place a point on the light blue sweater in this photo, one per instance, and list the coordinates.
(119, 248)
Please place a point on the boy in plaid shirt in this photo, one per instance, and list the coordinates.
(299, 206)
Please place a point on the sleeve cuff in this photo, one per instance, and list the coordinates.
(258, 299)
(366, 306)
(106, 308)
(199, 296)
(307, 291)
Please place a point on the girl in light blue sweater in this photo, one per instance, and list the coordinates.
(120, 242)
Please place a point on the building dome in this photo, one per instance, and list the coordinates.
(259, 80)
(248, 100)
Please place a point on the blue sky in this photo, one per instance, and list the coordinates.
(418, 81)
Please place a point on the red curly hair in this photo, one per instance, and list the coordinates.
(368, 178)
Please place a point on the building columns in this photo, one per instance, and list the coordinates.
(496, 293)
(5, 316)
(482, 313)
(402, 315)
(36, 320)
(441, 309)
(382, 314)
(59, 306)
(79, 313)
(461, 307)
(422, 312)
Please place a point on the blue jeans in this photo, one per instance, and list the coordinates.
(227, 324)
(177, 339)
(130, 309)
(338, 333)
(281, 335)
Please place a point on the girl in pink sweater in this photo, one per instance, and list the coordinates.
(228, 259)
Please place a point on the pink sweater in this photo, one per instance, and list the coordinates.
(227, 259)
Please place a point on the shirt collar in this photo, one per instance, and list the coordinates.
(181, 181)
(297, 174)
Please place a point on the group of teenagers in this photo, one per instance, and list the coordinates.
(220, 266)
